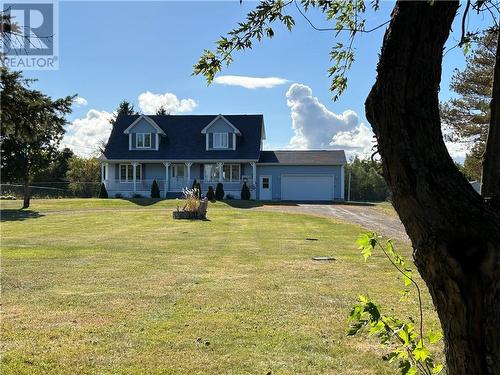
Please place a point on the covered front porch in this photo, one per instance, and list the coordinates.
(129, 178)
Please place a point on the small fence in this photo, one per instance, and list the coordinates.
(57, 190)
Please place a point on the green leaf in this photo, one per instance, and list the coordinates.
(363, 299)
(437, 368)
(420, 352)
(378, 327)
(373, 311)
(408, 276)
(356, 312)
(366, 252)
(405, 336)
(366, 244)
(354, 328)
(434, 336)
(404, 366)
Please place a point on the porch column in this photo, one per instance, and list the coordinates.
(188, 165)
(103, 174)
(254, 173)
(166, 164)
(134, 167)
(106, 174)
(220, 167)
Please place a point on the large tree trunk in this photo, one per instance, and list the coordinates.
(491, 166)
(26, 192)
(455, 234)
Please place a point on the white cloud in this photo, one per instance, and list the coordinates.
(84, 135)
(149, 103)
(250, 82)
(457, 150)
(80, 102)
(317, 127)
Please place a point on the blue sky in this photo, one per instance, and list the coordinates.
(110, 51)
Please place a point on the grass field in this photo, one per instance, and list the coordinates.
(118, 287)
(386, 208)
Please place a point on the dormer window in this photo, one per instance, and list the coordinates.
(143, 140)
(220, 140)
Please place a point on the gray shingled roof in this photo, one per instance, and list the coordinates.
(184, 139)
(304, 157)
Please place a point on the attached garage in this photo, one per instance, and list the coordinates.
(304, 187)
(312, 175)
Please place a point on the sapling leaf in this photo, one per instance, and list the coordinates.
(408, 276)
(354, 328)
(420, 352)
(437, 368)
(434, 336)
(404, 366)
(377, 327)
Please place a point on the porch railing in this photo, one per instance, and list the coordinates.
(145, 185)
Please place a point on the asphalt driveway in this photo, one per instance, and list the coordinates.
(365, 215)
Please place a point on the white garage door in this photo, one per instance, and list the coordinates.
(307, 188)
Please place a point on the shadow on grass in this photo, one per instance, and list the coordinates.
(352, 203)
(144, 201)
(18, 215)
(252, 204)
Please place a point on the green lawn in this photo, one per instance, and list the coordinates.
(117, 287)
(386, 208)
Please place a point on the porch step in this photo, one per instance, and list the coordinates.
(174, 194)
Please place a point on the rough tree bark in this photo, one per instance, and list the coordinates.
(491, 166)
(26, 192)
(454, 233)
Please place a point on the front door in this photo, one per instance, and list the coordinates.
(178, 181)
(265, 188)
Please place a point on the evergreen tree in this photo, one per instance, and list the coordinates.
(31, 128)
(103, 193)
(210, 194)
(219, 191)
(155, 190)
(466, 118)
(162, 111)
(245, 192)
(124, 108)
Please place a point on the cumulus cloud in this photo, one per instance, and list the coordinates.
(315, 126)
(84, 135)
(80, 102)
(250, 82)
(457, 150)
(149, 103)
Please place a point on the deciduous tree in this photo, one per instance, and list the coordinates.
(84, 176)
(455, 232)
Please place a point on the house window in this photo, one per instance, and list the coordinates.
(127, 172)
(143, 140)
(231, 172)
(220, 140)
(265, 182)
